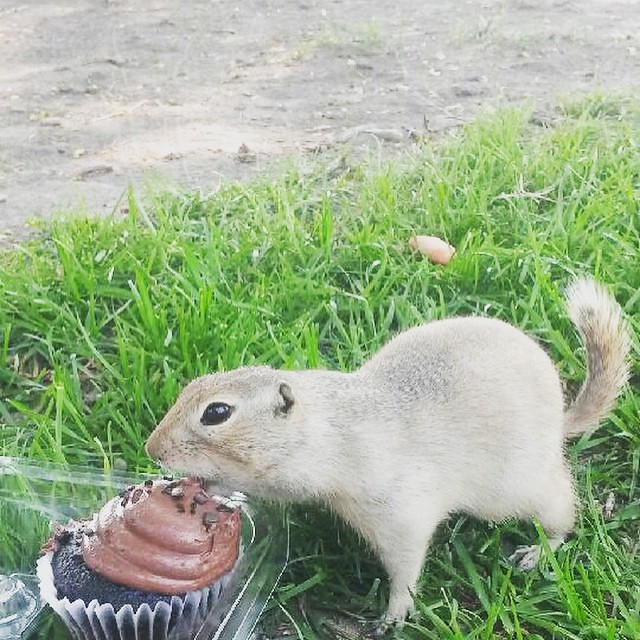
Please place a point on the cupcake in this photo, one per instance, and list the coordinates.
(152, 563)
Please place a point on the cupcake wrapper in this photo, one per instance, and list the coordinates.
(178, 620)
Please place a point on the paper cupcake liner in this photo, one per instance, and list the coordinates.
(181, 618)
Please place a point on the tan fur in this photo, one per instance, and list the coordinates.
(464, 414)
(605, 335)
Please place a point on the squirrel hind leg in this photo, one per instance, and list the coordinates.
(556, 514)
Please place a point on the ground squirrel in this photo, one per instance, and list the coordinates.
(463, 414)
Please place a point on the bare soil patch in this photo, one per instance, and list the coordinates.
(99, 95)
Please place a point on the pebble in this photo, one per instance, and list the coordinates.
(93, 172)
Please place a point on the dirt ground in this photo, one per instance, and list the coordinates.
(96, 95)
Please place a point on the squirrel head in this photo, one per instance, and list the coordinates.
(236, 429)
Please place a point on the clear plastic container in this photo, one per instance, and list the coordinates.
(33, 496)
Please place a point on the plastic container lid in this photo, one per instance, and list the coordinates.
(19, 604)
(34, 495)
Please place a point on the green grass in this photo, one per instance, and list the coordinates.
(103, 320)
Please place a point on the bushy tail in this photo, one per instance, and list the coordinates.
(604, 332)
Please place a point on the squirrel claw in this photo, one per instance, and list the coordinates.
(378, 629)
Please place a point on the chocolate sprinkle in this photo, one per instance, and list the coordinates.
(224, 508)
(148, 483)
(209, 518)
(193, 507)
(136, 495)
(201, 497)
(175, 484)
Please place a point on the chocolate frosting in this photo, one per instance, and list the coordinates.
(163, 537)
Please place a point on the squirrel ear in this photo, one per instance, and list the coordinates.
(285, 399)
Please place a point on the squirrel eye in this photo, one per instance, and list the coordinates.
(216, 413)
